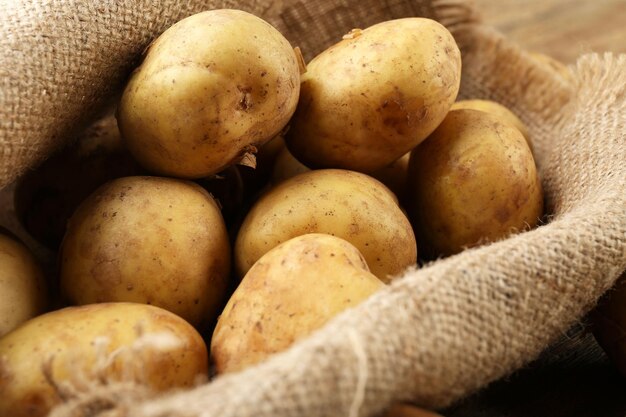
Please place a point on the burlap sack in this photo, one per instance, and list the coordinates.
(435, 335)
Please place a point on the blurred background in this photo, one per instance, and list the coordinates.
(563, 29)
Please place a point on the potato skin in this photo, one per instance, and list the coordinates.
(472, 181)
(346, 204)
(22, 286)
(77, 339)
(148, 240)
(497, 110)
(294, 289)
(374, 96)
(394, 176)
(287, 166)
(205, 95)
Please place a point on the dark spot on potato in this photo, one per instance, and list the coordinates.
(37, 403)
(503, 214)
(400, 113)
(521, 195)
(6, 376)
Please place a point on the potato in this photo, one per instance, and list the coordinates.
(292, 290)
(99, 343)
(22, 286)
(148, 240)
(472, 181)
(609, 324)
(287, 166)
(498, 110)
(46, 197)
(374, 96)
(394, 176)
(207, 96)
(346, 204)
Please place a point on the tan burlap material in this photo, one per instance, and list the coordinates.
(435, 335)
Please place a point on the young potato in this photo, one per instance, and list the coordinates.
(294, 289)
(472, 181)
(46, 197)
(22, 286)
(99, 342)
(148, 240)
(346, 204)
(498, 110)
(394, 176)
(287, 166)
(374, 96)
(609, 324)
(206, 96)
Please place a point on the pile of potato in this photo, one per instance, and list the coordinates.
(167, 236)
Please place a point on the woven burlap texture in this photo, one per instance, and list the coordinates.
(440, 332)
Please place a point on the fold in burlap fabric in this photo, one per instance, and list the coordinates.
(440, 332)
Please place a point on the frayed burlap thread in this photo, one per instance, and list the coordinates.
(438, 333)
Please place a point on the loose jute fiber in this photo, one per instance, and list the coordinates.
(438, 333)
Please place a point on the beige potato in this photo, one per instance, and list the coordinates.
(346, 204)
(22, 286)
(211, 89)
(294, 289)
(472, 181)
(394, 176)
(99, 342)
(287, 166)
(497, 110)
(374, 96)
(148, 240)
(609, 324)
